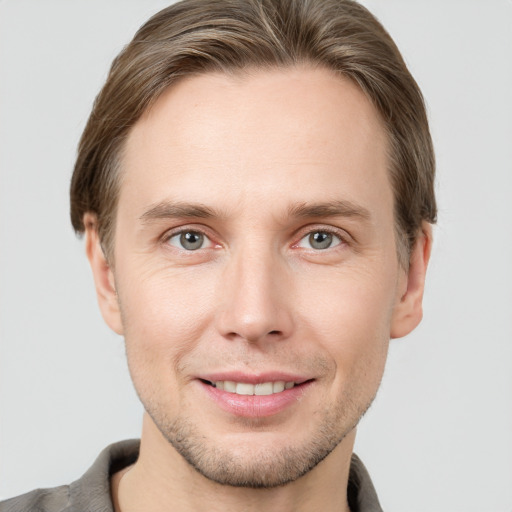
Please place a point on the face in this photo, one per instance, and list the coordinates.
(255, 269)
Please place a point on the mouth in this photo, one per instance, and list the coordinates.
(248, 389)
(255, 399)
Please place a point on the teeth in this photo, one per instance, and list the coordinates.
(263, 389)
(278, 386)
(228, 386)
(243, 388)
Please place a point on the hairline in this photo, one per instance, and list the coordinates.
(107, 234)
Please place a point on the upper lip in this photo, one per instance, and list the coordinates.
(254, 378)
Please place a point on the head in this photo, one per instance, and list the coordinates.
(256, 183)
(195, 37)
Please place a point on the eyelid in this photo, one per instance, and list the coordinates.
(343, 235)
(171, 233)
(305, 231)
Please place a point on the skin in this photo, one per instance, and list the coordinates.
(256, 150)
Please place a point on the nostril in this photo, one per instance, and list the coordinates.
(275, 332)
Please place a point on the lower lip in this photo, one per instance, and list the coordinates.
(255, 406)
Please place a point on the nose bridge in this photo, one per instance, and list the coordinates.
(254, 303)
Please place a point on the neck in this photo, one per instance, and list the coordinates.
(162, 480)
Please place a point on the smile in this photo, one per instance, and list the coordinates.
(245, 388)
(255, 399)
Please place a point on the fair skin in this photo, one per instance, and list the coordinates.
(254, 244)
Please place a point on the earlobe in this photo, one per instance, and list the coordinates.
(103, 276)
(408, 311)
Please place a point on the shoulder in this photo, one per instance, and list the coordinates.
(56, 499)
(361, 494)
(89, 493)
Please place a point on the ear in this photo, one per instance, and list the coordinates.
(103, 276)
(408, 311)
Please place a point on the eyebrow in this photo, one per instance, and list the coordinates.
(341, 208)
(166, 210)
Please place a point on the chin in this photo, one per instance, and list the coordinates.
(259, 459)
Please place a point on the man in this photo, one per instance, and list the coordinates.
(255, 186)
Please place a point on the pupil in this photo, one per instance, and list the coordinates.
(191, 240)
(320, 240)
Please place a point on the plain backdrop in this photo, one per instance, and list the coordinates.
(439, 435)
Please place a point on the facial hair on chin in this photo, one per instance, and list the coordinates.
(251, 469)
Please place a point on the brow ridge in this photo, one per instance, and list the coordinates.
(167, 209)
(337, 208)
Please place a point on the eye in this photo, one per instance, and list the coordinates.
(319, 240)
(190, 240)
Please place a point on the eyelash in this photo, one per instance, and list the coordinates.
(341, 236)
(183, 230)
(304, 233)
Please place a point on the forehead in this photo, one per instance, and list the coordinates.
(283, 135)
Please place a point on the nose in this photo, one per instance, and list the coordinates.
(255, 298)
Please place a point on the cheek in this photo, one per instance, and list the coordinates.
(165, 315)
(350, 314)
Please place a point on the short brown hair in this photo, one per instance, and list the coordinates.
(197, 36)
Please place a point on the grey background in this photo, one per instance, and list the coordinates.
(439, 436)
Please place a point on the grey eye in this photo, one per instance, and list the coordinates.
(189, 240)
(320, 240)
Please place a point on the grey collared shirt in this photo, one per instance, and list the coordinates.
(91, 492)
